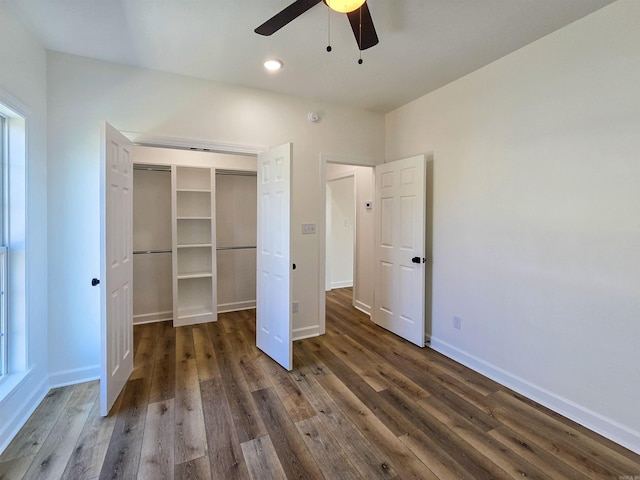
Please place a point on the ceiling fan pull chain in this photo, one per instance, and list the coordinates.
(328, 29)
(360, 38)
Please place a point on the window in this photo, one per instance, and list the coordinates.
(3, 250)
(13, 242)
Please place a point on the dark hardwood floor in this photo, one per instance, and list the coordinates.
(203, 402)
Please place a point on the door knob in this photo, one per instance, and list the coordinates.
(95, 282)
(415, 259)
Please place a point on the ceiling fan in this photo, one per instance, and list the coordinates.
(357, 11)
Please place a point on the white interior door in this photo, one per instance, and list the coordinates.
(116, 266)
(273, 312)
(400, 205)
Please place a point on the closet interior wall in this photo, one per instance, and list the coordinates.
(152, 274)
(236, 226)
(234, 217)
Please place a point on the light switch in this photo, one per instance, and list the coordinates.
(308, 228)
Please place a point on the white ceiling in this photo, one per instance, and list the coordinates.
(424, 44)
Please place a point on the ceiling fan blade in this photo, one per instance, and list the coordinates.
(287, 15)
(369, 36)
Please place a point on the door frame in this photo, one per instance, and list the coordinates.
(322, 225)
(182, 143)
(367, 162)
(178, 143)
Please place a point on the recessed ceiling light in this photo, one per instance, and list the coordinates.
(273, 64)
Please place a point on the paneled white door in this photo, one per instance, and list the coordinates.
(273, 309)
(116, 266)
(399, 287)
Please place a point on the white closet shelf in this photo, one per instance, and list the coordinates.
(191, 312)
(182, 276)
(194, 264)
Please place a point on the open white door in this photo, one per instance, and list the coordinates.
(116, 266)
(273, 309)
(399, 291)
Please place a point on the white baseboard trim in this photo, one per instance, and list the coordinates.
(363, 307)
(73, 376)
(9, 429)
(592, 420)
(236, 306)
(152, 317)
(342, 284)
(305, 332)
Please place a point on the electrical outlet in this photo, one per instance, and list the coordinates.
(457, 322)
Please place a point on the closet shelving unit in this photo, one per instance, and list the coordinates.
(194, 261)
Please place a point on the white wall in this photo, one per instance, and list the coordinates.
(84, 92)
(236, 226)
(537, 217)
(363, 275)
(23, 80)
(341, 224)
(152, 272)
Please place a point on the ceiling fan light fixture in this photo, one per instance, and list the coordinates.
(273, 64)
(344, 6)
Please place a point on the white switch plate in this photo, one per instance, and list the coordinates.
(308, 228)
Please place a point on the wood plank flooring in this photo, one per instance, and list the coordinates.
(204, 403)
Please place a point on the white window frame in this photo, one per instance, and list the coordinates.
(4, 347)
(14, 238)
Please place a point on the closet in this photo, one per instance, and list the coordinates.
(152, 244)
(194, 236)
(236, 225)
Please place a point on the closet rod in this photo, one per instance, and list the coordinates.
(239, 173)
(235, 248)
(152, 168)
(145, 252)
